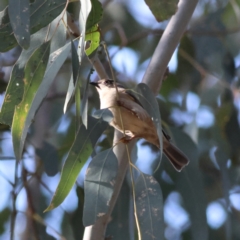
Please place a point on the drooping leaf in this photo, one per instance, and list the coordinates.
(83, 15)
(99, 185)
(49, 156)
(24, 112)
(15, 87)
(162, 9)
(191, 186)
(149, 204)
(41, 14)
(93, 37)
(4, 216)
(84, 104)
(79, 153)
(70, 91)
(143, 94)
(120, 218)
(95, 15)
(59, 32)
(19, 15)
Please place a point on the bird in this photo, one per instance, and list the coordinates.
(130, 118)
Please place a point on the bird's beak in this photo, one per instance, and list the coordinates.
(95, 84)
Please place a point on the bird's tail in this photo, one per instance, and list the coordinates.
(177, 158)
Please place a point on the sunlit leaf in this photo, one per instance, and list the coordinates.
(93, 38)
(98, 185)
(18, 11)
(41, 14)
(162, 9)
(84, 103)
(95, 15)
(15, 87)
(79, 153)
(25, 111)
(83, 15)
(149, 204)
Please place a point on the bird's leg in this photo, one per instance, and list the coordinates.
(126, 139)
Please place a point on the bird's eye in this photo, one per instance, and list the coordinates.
(109, 82)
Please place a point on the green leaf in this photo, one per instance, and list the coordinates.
(79, 153)
(149, 203)
(105, 114)
(84, 104)
(59, 32)
(24, 112)
(99, 185)
(83, 15)
(95, 15)
(93, 37)
(15, 87)
(19, 15)
(191, 186)
(121, 217)
(41, 14)
(4, 216)
(146, 98)
(162, 9)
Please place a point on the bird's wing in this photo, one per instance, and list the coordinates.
(126, 101)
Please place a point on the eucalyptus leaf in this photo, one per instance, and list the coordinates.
(84, 103)
(15, 87)
(19, 15)
(191, 186)
(93, 38)
(149, 204)
(79, 153)
(121, 216)
(25, 111)
(83, 15)
(95, 15)
(41, 14)
(162, 9)
(56, 60)
(99, 185)
(143, 94)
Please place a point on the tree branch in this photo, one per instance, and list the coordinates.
(153, 78)
(154, 75)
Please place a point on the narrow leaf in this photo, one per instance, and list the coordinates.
(149, 203)
(93, 37)
(84, 103)
(15, 87)
(162, 9)
(41, 14)
(24, 113)
(98, 185)
(146, 98)
(73, 79)
(84, 11)
(79, 153)
(18, 11)
(95, 15)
